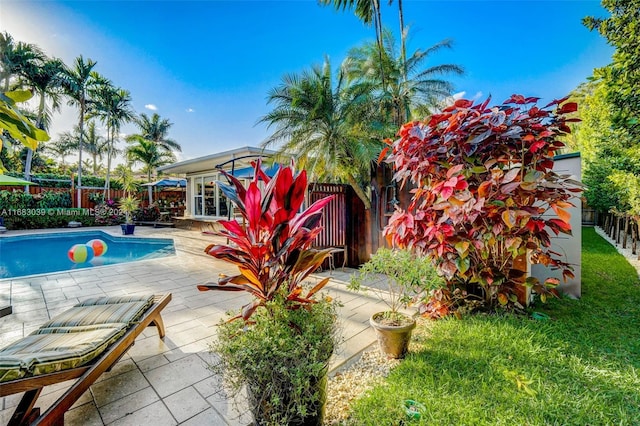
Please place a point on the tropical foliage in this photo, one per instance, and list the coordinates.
(148, 153)
(610, 113)
(25, 66)
(326, 125)
(401, 86)
(16, 124)
(333, 123)
(484, 182)
(77, 82)
(622, 76)
(273, 249)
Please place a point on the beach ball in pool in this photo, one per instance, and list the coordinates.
(99, 247)
(80, 253)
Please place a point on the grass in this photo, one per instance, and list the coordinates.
(579, 368)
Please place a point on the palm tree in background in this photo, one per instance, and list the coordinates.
(65, 145)
(44, 78)
(149, 153)
(157, 129)
(409, 84)
(368, 11)
(15, 57)
(77, 82)
(112, 106)
(326, 124)
(95, 145)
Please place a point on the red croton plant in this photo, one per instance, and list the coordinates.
(272, 247)
(483, 183)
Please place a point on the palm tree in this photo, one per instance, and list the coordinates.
(156, 129)
(149, 153)
(66, 144)
(408, 85)
(113, 106)
(15, 57)
(326, 125)
(45, 80)
(77, 81)
(95, 145)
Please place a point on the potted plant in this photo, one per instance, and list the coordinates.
(405, 277)
(279, 345)
(128, 205)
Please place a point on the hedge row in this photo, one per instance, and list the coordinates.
(46, 218)
(54, 180)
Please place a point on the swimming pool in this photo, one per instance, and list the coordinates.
(23, 255)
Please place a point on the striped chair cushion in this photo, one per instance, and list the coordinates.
(10, 368)
(85, 315)
(103, 300)
(72, 338)
(46, 353)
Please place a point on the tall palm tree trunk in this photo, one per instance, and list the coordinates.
(107, 180)
(377, 22)
(39, 125)
(403, 58)
(81, 127)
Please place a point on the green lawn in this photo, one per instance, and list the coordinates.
(579, 368)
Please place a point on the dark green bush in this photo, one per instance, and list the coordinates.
(35, 218)
(54, 180)
(15, 200)
(22, 210)
(50, 199)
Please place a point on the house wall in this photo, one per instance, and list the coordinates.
(568, 245)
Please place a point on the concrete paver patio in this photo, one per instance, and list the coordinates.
(161, 382)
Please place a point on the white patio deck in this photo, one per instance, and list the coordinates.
(160, 382)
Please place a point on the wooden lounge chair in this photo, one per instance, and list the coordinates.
(88, 320)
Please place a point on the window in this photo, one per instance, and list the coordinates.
(208, 200)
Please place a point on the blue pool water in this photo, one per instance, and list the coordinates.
(38, 254)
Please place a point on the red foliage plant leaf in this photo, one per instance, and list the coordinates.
(272, 249)
(463, 103)
(568, 107)
(383, 154)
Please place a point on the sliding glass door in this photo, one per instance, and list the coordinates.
(208, 200)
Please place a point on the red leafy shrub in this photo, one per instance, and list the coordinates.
(272, 247)
(483, 183)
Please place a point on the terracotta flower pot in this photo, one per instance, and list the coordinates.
(392, 339)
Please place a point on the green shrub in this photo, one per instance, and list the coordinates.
(108, 213)
(15, 200)
(279, 358)
(55, 180)
(50, 199)
(37, 218)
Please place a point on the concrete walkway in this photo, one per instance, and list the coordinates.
(161, 382)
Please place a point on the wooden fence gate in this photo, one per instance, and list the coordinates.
(334, 222)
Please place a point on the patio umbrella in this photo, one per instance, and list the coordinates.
(168, 183)
(7, 180)
(164, 183)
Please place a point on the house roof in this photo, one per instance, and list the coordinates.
(236, 158)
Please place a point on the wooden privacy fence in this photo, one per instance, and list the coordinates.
(623, 229)
(334, 221)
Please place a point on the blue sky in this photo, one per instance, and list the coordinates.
(208, 65)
